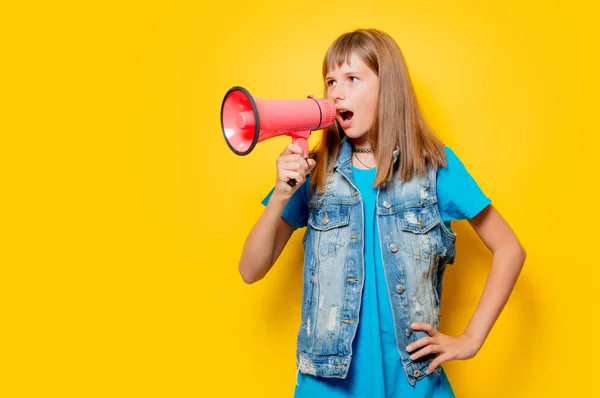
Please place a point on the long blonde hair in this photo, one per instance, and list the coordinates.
(399, 123)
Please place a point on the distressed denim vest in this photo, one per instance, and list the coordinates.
(415, 244)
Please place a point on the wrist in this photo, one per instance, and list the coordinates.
(278, 200)
(479, 340)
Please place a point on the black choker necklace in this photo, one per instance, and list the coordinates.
(362, 150)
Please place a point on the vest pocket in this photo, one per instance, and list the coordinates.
(418, 236)
(418, 219)
(328, 224)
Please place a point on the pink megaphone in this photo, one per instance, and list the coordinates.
(246, 120)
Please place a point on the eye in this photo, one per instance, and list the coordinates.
(353, 79)
(330, 83)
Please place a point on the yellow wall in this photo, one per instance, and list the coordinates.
(125, 213)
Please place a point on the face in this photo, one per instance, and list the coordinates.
(354, 90)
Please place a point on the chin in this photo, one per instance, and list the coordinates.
(353, 134)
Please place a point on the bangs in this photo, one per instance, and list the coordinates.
(342, 50)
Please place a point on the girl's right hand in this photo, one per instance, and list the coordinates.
(291, 164)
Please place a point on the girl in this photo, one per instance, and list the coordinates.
(377, 197)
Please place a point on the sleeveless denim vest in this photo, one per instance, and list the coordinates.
(416, 247)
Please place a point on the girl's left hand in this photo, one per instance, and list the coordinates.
(446, 347)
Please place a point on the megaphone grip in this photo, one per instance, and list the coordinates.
(302, 143)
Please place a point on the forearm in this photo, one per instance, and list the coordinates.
(506, 267)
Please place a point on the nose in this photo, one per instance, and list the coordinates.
(337, 93)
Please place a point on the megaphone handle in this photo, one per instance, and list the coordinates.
(302, 143)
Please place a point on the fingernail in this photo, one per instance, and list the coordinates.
(407, 348)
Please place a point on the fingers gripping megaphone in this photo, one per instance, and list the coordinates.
(246, 120)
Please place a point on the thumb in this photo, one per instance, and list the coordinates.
(311, 164)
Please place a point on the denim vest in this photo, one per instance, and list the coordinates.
(415, 244)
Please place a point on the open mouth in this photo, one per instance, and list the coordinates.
(346, 115)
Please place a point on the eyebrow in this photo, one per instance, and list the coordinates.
(351, 73)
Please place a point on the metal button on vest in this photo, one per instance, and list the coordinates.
(394, 248)
(417, 373)
(325, 220)
(408, 332)
(387, 204)
(400, 289)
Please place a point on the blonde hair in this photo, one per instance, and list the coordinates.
(399, 123)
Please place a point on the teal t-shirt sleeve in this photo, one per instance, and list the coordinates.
(459, 195)
(296, 210)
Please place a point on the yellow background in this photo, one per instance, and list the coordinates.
(124, 212)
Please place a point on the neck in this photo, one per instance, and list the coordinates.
(361, 142)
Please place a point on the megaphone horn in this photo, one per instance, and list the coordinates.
(245, 120)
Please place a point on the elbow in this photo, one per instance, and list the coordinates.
(522, 253)
(512, 252)
(248, 276)
(248, 279)
(519, 253)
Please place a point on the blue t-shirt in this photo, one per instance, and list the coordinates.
(376, 369)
